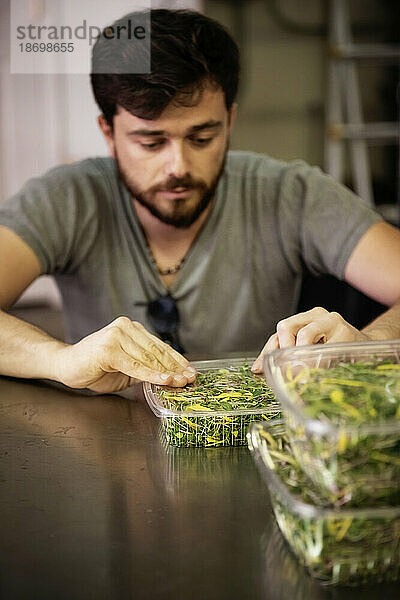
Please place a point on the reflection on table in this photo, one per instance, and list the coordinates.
(94, 504)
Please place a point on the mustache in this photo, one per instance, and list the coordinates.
(175, 182)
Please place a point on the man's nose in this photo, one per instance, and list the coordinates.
(177, 164)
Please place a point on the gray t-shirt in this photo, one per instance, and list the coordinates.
(270, 220)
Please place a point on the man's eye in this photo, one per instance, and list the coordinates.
(202, 141)
(151, 146)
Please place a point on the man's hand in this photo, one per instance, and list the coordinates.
(117, 356)
(312, 327)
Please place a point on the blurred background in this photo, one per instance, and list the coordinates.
(320, 82)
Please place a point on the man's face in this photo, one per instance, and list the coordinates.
(171, 165)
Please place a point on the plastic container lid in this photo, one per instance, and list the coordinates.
(324, 356)
(157, 404)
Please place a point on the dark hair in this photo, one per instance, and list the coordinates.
(188, 52)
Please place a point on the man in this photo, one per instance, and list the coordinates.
(175, 238)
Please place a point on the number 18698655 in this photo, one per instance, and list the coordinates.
(46, 47)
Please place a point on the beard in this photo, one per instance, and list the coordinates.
(183, 211)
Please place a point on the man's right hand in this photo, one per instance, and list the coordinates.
(119, 355)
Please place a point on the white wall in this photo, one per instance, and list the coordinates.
(47, 120)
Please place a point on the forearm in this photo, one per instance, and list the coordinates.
(105, 361)
(386, 326)
(26, 351)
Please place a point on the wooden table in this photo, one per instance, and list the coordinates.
(93, 505)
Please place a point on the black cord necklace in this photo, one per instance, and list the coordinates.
(170, 270)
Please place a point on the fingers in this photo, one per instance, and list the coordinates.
(329, 328)
(272, 344)
(287, 332)
(165, 354)
(316, 332)
(288, 329)
(311, 327)
(316, 326)
(150, 358)
(124, 363)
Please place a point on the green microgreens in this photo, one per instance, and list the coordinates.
(351, 393)
(356, 464)
(339, 549)
(227, 390)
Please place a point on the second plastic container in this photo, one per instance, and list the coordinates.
(339, 545)
(356, 451)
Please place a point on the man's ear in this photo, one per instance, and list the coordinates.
(108, 133)
(232, 115)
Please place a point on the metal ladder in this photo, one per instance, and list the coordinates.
(344, 115)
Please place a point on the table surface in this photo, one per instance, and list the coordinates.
(93, 505)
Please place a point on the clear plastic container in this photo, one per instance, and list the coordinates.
(357, 461)
(211, 428)
(341, 545)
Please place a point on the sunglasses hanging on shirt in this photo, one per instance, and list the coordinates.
(163, 316)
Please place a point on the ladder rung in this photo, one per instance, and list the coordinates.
(364, 131)
(379, 51)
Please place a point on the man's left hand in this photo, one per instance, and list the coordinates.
(315, 326)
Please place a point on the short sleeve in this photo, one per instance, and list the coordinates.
(57, 216)
(320, 220)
